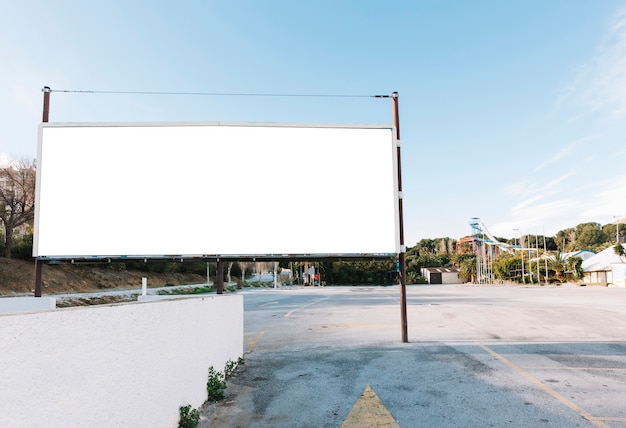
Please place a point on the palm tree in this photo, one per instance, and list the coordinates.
(467, 269)
(620, 251)
(558, 264)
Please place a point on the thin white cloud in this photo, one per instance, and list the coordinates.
(553, 215)
(606, 91)
(609, 199)
(599, 84)
(565, 152)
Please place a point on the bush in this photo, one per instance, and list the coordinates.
(22, 248)
(189, 417)
(216, 385)
(231, 366)
(415, 278)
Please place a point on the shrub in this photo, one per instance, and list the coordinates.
(231, 366)
(189, 417)
(216, 385)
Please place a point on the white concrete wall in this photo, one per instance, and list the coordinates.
(618, 275)
(126, 365)
(451, 278)
(10, 305)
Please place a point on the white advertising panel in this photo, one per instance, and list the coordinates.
(213, 189)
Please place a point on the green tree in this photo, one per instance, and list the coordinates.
(590, 236)
(620, 251)
(426, 244)
(504, 264)
(558, 264)
(565, 239)
(467, 268)
(574, 265)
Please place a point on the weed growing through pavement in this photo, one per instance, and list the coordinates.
(189, 417)
(231, 366)
(216, 385)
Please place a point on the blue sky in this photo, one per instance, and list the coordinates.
(511, 111)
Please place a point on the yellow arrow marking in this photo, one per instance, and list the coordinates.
(369, 411)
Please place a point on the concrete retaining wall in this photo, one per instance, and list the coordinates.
(9, 305)
(121, 365)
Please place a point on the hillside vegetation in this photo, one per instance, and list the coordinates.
(17, 277)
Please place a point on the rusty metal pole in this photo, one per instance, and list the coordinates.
(402, 255)
(38, 263)
(219, 277)
(46, 103)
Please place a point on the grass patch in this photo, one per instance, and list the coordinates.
(188, 290)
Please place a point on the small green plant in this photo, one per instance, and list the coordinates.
(188, 290)
(231, 366)
(189, 417)
(216, 385)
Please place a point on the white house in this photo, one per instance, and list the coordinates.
(442, 275)
(605, 268)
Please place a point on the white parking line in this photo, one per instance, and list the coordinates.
(305, 306)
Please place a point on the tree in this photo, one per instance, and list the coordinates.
(467, 268)
(558, 264)
(467, 265)
(574, 264)
(504, 264)
(620, 251)
(589, 236)
(425, 244)
(565, 239)
(17, 199)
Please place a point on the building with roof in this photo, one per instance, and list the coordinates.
(605, 268)
(442, 275)
(582, 254)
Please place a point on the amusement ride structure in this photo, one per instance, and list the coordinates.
(487, 247)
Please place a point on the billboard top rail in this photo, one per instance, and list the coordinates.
(218, 123)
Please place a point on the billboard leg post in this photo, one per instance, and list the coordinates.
(38, 277)
(38, 264)
(402, 255)
(219, 277)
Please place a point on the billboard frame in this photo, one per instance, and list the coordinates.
(56, 258)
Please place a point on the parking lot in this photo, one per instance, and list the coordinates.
(477, 356)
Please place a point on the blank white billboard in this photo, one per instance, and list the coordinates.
(215, 190)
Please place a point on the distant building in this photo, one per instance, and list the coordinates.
(442, 275)
(582, 254)
(605, 268)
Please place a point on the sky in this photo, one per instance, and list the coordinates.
(510, 111)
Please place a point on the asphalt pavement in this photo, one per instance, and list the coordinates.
(478, 356)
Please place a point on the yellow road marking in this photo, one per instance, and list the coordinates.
(305, 306)
(582, 412)
(369, 411)
(254, 342)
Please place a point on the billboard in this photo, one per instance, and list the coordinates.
(229, 190)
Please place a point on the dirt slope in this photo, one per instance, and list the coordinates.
(17, 277)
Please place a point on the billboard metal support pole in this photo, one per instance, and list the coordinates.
(38, 263)
(402, 255)
(219, 277)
